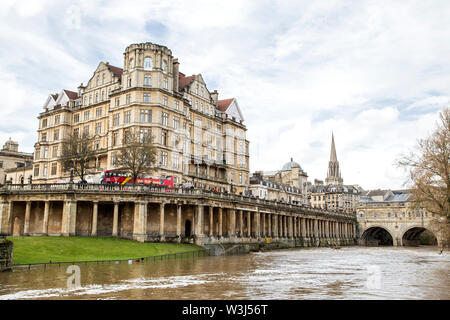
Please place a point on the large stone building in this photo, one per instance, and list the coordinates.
(334, 195)
(288, 184)
(199, 138)
(12, 159)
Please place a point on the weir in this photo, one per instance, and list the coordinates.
(146, 213)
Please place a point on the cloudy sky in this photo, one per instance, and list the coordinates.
(376, 73)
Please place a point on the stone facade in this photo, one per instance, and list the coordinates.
(11, 159)
(149, 214)
(200, 139)
(6, 254)
(393, 212)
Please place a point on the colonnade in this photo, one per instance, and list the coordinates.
(206, 222)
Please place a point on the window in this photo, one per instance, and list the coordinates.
(146, 115)
(57, 118)
(164, 138)
(115, 120)
(148, 80)
(166, 84)
(117, 102)
(127, 117)
(76, 132)
(55, 152)
(36, 170)
(86, 115)
(163, 158)
(175, 161)
(44, 172)
(177, 105)
(164, 100)
(147, 63)
(103, 95)
(97, 145)
(44, 137)
(76, 118)
(146, 97)
(131, 64)
(96, 97)
(164, 66)
(176, 122)
(1, 164)
(85, 100)
(164, 118)
(114, 158)
(240, 177)
(54, 168)
(128, 99)
(56, 135)
(129, 82)
(115, 139)
(98, 128)
(86, 131)
(90, 99)
(98, 112)
(103, 78)
(145, 134)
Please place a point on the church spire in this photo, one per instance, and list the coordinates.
(334, 174)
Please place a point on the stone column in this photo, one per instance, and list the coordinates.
(199, 220)
(69, 218)
(161, 221)
(241, 223)
(258, 225)
(94, 218)
(303, 227)
(220, 221)
(26, 226)
(263, 224)
(269, 221)
(232, 217)
(8, 222)
(179, 222)
(115, 231)
(140, 221)
(211, 220)
(249, 226)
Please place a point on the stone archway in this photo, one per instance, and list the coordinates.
(376, 236)
(416, 236)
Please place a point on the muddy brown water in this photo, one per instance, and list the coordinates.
(307, 273)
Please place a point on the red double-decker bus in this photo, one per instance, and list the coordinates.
(120, 177)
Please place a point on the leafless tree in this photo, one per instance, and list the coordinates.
(137, 154)
(77, 153)
(429, 173)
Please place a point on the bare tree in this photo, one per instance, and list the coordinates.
(138, 154)
(429, 173)
(77, 153)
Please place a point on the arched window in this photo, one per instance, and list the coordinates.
(147, 63)
(131, 64)
(164, 65)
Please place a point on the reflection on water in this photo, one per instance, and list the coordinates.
(314, 273)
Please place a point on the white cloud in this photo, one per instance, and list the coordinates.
(375, 72)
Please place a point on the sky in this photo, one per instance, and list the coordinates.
(375, 73)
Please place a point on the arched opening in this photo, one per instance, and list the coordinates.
(419, 236)
(187, 228)
(377, 236)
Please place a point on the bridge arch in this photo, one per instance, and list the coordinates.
(418, 235)
(377, 236)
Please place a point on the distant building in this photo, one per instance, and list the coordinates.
(334, 195)
(11, 159)
(289, 183)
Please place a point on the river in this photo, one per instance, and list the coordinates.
(307, 273)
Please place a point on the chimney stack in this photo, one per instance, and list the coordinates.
(215, 97)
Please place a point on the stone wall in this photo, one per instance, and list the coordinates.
(6, 254)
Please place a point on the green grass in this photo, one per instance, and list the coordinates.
(65, 249)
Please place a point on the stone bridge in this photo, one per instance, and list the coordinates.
(397, 231)
(146, 213)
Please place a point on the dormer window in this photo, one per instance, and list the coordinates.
(147, 63)
(131, 64)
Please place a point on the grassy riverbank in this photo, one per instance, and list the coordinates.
(66, 249)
